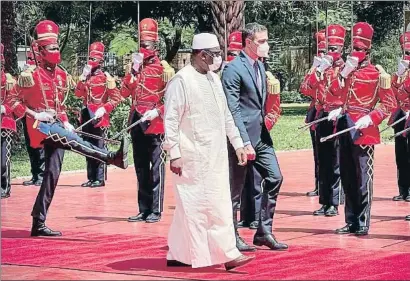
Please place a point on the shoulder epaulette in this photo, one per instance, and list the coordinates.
(273, 83)
(384, 79)
(110, 81)
(10, 82)
(169, 72)
(26, 79)
(127, 68)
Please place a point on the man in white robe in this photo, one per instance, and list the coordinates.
(197, 123)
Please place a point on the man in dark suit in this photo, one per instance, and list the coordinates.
(245, 86)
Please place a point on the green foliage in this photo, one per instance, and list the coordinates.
(124, 40)
(293, 97)
(386, 53)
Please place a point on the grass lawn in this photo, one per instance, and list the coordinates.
(285, 136)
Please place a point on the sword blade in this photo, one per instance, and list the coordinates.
(336, 134)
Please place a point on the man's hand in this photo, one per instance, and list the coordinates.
(137, 60)
(242, 157)
(86, 72)
(364, 122)
(350, 65)
(326, 62)
(68, 126)
(316, 61)
(250, 152)
(100, 112)
(44, 116)
(150, 115)
(334, 114)
(3, 109)
(402, 67)
(176, 166)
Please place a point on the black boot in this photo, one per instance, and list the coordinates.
(95, 184)
(40, 229)
(398, 198)
(313, 193)
(408, 218)
(29, 182)
(242, 246)
(321, 211)
(348, 228)
(120, 157)
(87, 184)
(331, 211)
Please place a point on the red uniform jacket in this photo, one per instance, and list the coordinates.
(7, 119)
(308, 91)
(362, 90)
(147, 90)
(47, 93)
(272, 104)
(96, 91)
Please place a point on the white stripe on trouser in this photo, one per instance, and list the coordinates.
(370, 174)
(161, 169)
(6, 134)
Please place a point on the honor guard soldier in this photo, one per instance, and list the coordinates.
(401, 89)
(306, 90)
(8, 127)
(146, 85)
(100, 95)
(36, 155)
(330, 191)
(39, 96)
(362, 85)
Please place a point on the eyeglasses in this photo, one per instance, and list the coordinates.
(213, 53)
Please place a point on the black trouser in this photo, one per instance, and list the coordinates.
(36, 156)
(356, 167)
(95, 169)
(267, 165)
(251, 196)
(315, 158)
(149, 162)
(57, 141)
(6, 141)
(330, 191)
(402, 148)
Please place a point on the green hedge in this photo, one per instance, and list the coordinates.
(293, 97)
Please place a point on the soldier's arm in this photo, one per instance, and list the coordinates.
(272, 105)
(386, 96)
(129, 83)
(81, 90)
(114, 95)
(10, 84)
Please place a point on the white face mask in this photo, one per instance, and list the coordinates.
(263, 50)
(216, 64)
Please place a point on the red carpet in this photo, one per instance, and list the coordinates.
(98, 242)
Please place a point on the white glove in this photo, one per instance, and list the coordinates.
(68, 126)
(3, 109)
(402, 67)
(86, 72)
(44, 116)
(407, 114)
(363, 122)
(137, 60)
(334, 114)
(316, 61)
(327, 62)
(100, 112)
(150, 115)
(351, 64)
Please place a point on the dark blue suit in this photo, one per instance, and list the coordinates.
(247, 104)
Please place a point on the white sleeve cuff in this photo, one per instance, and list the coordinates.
(174, 152)
(237, 143)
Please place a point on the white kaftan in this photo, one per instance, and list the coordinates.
(197, 122)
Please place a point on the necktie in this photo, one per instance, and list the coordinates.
(258, 82)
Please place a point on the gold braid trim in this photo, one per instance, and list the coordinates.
(168, 73)
(26, 79)
(110, 81)
(10, 82)
(273, 84)
(384, 78)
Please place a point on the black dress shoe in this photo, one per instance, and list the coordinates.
(407, 199)
(362, 231)
(29, 182)
(331, 211)
(153, 217)
(398, 198)
(176, 263)
(5, 195)
(87, 184)
(254, 225)
(312, 193)
(241, 261)
(348, 228)
(243, 224)
(269, 241)
(97, 184)
(138, 218)
(407, 218)
(321, 211)
(40, 229)
(242, 246)
(38, 182)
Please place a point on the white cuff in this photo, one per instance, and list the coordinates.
(237, 143)
(174, 152)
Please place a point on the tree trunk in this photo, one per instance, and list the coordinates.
(8, 24)
(173, 47)
(229, 13)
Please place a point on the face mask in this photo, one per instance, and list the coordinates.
(336, 56)
(94, 64)
(263, 50)
(360, 55)
(147, 53)
(216, 64)
(51, 57)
